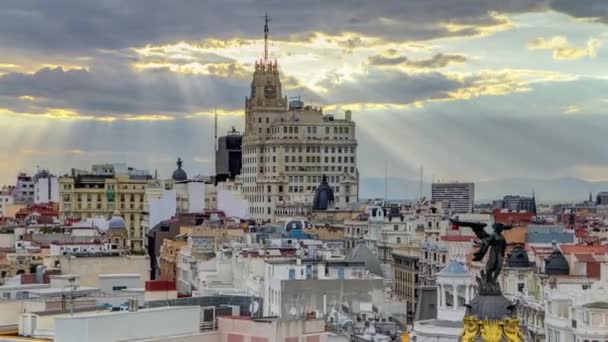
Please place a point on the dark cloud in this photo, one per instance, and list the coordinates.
(74, 25)
(390, 86)
(386, 60)
(116, 89)
(439, 60)
(122, 91)
(583, 9)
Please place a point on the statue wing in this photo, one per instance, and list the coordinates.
(478, 227)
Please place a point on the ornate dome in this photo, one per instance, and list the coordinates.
(518, 257)
(324, 196)
(179, 174)
(556, 264)
(454, 268)
(116, 222)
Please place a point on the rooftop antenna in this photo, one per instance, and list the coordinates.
(266, 20)
(214, 139)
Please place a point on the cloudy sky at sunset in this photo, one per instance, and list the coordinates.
(472, 90)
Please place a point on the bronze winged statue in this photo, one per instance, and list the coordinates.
(494, 242)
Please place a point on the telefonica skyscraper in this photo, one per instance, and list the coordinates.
(288, 147)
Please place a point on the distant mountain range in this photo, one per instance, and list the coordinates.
(546, 190)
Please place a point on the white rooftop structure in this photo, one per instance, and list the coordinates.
(119, 325)
(455, 288)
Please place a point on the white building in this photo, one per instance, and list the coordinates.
(231, 201)
(123, 326)
(23, 192)
(455, 289)
(92, 248)
(46, 187)
(195, 260)
(116, 282)
(384, 232)
(577, 315)
(164, 199)
(455, 197)
(294, 287)
(287, 147)
(159, 204)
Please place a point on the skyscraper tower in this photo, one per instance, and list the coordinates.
(288, 147)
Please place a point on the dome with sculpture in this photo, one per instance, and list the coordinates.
(556, 263)
(518, 257)
(179, 174)
(116, 222)
(491, 316)
(324, 196)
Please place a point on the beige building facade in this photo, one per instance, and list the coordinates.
(101, 192)
(288, 147)
(169, 251)
(405, 280)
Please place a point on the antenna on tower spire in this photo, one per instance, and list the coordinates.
(266, 20)
(215, 139)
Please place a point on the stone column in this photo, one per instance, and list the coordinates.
(439, 296)
(455, 295)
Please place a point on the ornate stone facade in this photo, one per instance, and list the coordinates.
(288, 147)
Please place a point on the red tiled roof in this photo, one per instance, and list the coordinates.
(160, 285)
(581, 249)
(581, 232)
(585, 258)
(539, 250)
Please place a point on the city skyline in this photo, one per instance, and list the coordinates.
(470, 92)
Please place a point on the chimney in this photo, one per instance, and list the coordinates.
(133, 305)
(348, 115)
(604, 272)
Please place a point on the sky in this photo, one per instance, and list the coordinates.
(469, 90)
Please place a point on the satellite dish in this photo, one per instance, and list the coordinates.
(254, 307)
